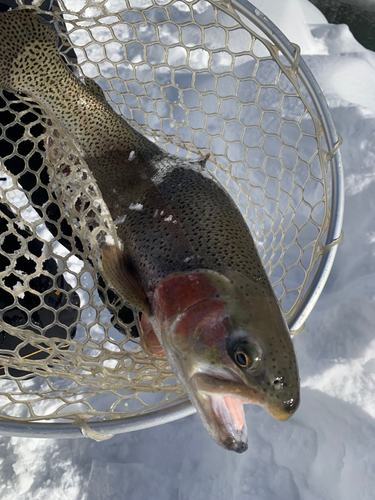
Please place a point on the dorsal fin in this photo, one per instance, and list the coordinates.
(203, 160)
(123, 278)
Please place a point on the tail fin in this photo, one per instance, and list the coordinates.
(26, 46)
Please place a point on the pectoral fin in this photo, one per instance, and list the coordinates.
(122, 277)
(149, 341)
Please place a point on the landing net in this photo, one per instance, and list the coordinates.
(196, 77)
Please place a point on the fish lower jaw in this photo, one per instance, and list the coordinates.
(230, 416)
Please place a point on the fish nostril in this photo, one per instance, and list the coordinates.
(279, 384)
(291, 405)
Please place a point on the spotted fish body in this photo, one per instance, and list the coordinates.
(188, 262)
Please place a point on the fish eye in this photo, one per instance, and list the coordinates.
(246, 355)
(242, 359)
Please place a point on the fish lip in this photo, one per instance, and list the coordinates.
(238, 447)
(231, 385)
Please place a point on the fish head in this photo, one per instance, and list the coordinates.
(227, 341)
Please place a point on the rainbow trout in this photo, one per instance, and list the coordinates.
(188, 262)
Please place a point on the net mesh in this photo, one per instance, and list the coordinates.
(195, 80)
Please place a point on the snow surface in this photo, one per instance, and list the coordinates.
(326, 451)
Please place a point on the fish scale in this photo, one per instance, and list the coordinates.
(95, 128)
(196, 226)
(188, 260)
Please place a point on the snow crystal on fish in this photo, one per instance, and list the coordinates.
(135, 206)
(119, 220)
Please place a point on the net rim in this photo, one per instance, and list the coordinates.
(100, 430)
(334, 232)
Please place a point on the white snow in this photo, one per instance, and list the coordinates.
(18, 289)
(17, 198)
(294, 18)
(325, 451)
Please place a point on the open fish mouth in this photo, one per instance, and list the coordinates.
(220, 404)
(229, 413)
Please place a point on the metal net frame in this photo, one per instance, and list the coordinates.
(196, 77)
